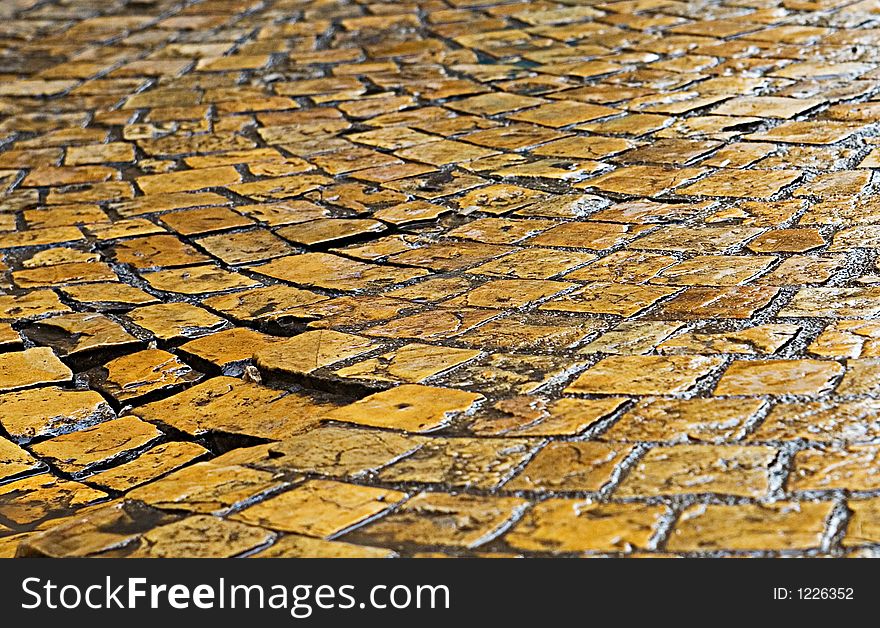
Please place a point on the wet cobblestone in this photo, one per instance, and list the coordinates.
(439, 277)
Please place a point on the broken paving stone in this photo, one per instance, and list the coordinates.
(569, 526)
(205, 488)
(9, 338)
(319, 508)
(28, 414)
(696, 469)
(176, 320)
(32, 367)
(862, 527)
(644, 375)
(245, 247)
(533, 263)
(509, 293)
(737, 302)
(78, 452)
(411, 408)
(443, 519)
(143, 373)
(743, 527)
(480, 463)
(39, 497)
(570, 466)
(148, 466)
(779, 377)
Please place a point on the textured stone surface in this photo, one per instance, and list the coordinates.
(441, 278)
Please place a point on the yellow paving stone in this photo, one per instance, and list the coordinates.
(769, 527)
(632, 338)
(188, 180)
(850, 468)
(77, 452)
(574, 466)
(39, 497)
(206, 488)
(821, 421)
(509, 293)
(14, 460)
(40, 237)
(169, 321)
(592, 235)
(479, 463)
(624, 267)
(110, 293)
(644, 375)
(322, 270)
(299, 546)
(93, 530)
(32, 304)
(531, 415)
(709, 240)
(229, 406)
(758, 340)
(143, 373)
(150, 465)
(410, 407)
(562, 526)
(77, 333)
(778, 377)
(609, 298)
(737, 302)
(200, 536)
(226, 348)
(157, 251)
(312, 350)
(684, 469)
(684, 420)
(445, 519)
(862, 527)
(267, 303)
(412, 363)
(72, 273)
(197, 280)
(643, 180)
(32, 367)
(37, 412)
(529, 331)
(319, 508)
(714, 270)
(189, 222)
(848, 339)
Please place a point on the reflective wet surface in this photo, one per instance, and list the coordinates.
(439, 278)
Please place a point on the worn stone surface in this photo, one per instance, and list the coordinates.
(553, 278)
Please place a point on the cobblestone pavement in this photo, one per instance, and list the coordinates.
(440, 277)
